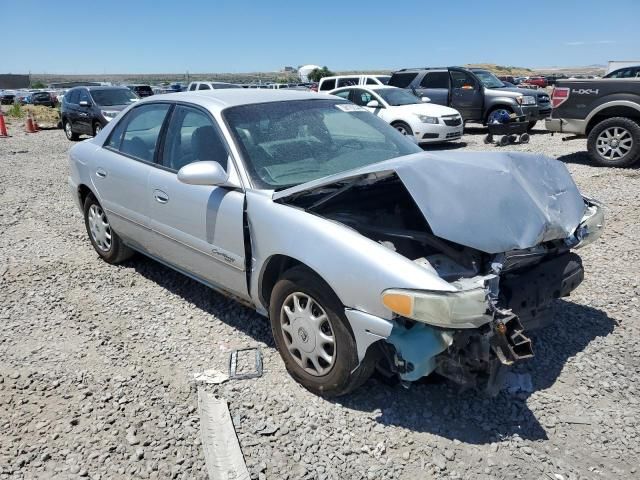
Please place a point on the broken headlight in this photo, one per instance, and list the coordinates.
(591, 226)
(461, 309)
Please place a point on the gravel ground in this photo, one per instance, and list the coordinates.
(96, 361)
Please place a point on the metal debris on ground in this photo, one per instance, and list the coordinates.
(240, 366)
(210, 377)
(222, 453)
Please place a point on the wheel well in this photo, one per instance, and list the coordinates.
(272, 271)
(610, 112)
(83, 191)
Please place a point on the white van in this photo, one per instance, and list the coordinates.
(331, 83)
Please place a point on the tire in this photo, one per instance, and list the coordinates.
(68, 131)
(341, 374)
(504, 141)
(105, 241)
(497, 109)
(524, 138)
(626, 149)
(532, 124)
(403, 128)
(97, 126)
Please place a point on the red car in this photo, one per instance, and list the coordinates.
(538, 81)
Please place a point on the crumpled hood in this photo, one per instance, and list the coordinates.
(493, 202)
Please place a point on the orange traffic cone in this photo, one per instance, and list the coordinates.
(3, 126)
(28, 126)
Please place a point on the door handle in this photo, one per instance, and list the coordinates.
(101, 173)
(160, 196)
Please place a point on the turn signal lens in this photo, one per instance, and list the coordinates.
(398, 303)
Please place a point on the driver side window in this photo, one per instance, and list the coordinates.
(462, 80)
(192, 136)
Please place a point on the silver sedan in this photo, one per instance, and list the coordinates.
(360, 248)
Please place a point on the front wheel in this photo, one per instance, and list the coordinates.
(615, 142)
(313, 335)
(403, 128)
(97, 128)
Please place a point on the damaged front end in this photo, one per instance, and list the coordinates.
(498, 229)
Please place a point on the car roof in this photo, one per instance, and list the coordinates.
(101, 87)
(369, 87)
(217, 100)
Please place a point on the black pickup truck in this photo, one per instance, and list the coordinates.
(606, 111)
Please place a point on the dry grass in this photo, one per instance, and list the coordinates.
(44, 115)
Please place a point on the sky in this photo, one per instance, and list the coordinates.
(206, 36)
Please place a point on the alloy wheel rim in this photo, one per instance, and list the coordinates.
(67, 129)
(99, 228)
(402, 130)
(98, 129)
(614, 143)
(308, 334)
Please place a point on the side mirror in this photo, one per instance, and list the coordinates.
(83, 103)
(374, 104)
(425, 99)
(203, 173)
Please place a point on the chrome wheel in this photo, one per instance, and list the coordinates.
(67, 130)
(614, 143)
(99, 228)
(97, 129)
(308, 334)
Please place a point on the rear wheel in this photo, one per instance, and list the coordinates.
(615, 142)
(104, 240)
(313, 335)
(97, 128)
(68, 131)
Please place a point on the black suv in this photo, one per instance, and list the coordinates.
(85, 110)
(475, 93)
(141, 90)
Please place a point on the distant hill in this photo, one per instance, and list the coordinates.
(502, 69)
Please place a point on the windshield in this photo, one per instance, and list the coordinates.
(292, 142)
(117, 96)
(398, 96)
(488, 79)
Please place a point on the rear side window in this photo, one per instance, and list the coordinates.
(192, 87)
(137, 133)
(402, 80)
(371, 81)
(344, 94)
(204, 86)
(435, 80)
(328, 84)
(347, 82)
